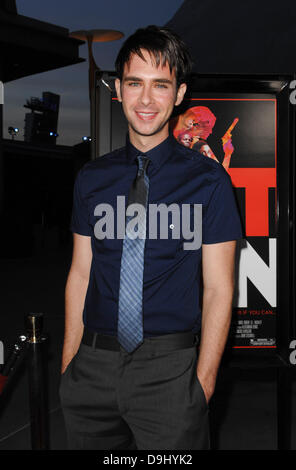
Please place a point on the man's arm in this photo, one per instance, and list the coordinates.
(75, 292)
(218, 281)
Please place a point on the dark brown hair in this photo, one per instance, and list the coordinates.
(162, 44)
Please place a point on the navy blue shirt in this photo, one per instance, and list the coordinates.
(171, 284)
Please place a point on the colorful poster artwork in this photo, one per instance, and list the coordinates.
(240, 134)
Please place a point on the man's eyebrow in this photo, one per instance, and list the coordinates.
(162, 80)
(137, 79)
(132, 79)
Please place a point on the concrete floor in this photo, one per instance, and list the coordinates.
(243, 409)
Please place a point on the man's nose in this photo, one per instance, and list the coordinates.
(146, 95)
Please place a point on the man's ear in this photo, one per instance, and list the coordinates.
(180, 94)
(117, 88)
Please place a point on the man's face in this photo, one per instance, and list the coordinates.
(189, 121)
(203, 129)
(206, 151)
(186, 140)
(148, 95)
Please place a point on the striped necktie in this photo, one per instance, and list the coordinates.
(130, 304)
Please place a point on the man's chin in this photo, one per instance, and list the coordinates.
(148, 132)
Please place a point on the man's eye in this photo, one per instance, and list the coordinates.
(133, 84)
(161, 85)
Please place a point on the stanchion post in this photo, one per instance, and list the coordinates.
(36, 376)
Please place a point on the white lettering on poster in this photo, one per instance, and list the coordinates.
(262, 275)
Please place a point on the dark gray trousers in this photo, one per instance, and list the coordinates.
(148, 400)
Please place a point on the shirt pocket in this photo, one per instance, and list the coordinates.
(176, 229)
(180, 223)
(162, 236)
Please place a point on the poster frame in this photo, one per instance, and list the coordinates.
(279, 86)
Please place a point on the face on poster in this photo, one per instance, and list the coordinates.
(240, 134)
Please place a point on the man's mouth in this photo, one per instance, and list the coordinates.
(146, 116)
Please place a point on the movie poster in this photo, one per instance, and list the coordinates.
(240, 134)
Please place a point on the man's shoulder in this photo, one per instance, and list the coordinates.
(103, 160)
(92, 167)
(202, 164)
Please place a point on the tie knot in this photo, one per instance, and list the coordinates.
(143, 162)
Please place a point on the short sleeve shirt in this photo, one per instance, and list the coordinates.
(189, 187)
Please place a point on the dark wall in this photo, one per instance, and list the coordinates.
(9, 6)
(239, 37)
(37, 198)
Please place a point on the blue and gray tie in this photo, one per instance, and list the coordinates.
(130, 304)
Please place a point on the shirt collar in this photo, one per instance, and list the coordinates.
(158, 155)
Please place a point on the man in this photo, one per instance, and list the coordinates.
(131, 376)
(182, 122)
(202, 147)
(185, 139)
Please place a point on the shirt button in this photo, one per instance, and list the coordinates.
(172, 226)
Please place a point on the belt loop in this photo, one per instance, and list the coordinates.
(94, 340)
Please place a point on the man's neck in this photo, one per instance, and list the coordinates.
(145, 143)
